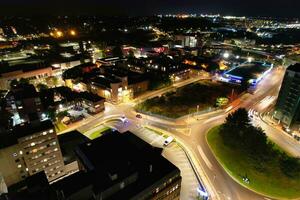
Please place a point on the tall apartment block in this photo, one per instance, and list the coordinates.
(287, 109)
(31, 148)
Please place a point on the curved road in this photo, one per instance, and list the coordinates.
(218, 182)
(192, 133)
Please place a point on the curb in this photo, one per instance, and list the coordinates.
(236, 180)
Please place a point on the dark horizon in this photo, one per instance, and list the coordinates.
(254, 8)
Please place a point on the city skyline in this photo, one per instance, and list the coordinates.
(168, 106)
(254, 8)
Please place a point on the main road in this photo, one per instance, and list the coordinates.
(191, 132)
(219, 184)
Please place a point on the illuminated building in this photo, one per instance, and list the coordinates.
(287, 109)
(29, 149)
(186, 40)
(250, 72)
(133, 169)
(25, 104)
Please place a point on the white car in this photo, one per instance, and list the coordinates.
(168, 141)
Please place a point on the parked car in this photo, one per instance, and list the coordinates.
(139, 116)
(168, 141)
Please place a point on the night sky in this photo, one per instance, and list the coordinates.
(275, 8)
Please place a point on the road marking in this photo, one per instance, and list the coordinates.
(207, 162)
(213, 119)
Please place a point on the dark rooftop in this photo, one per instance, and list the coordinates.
(295, 67)
(25, 66)
(114, 157)
(249, 70)
(24, 91)
(105, 81)
(68, 143)
(6, 138)
(90, 96)
(73, 183)
(25, 129)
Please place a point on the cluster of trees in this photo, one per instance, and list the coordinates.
(177, 103)
(15, 83)
(239, 133)
(158, 81)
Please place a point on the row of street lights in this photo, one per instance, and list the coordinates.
(226, 55)
(58, 33)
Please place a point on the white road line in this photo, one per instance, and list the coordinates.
(207, 162)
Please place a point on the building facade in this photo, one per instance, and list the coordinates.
(288, 105)
(35, 149)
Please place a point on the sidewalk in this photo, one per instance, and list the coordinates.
(271, 122)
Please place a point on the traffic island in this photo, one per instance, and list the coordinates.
(266, 178)
(193, 98)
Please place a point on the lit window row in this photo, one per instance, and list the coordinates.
(43, 154)
(172, 189)
(38, 135)
(52, 175)
(39, 142)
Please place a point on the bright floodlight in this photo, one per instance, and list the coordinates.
(43, 115)
(226, 55)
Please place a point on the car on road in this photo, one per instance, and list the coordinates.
(168, 140)
(139, 116)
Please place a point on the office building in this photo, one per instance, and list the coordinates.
(125, 167)
(30, 148)
(288, 104)
(24, 103)
(114, 166)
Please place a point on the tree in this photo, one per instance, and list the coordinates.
(117, 51)
(23, 81)
(238, 119)
(5, 117)
(290, 166)
(14, 83)
(130, 54)
(41, 86)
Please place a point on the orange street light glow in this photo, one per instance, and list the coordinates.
(72, 32)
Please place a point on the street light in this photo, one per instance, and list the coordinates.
(59, 33)
(250, 59)
(72, 32)
(226, 55)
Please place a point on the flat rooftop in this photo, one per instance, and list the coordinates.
(295, 67)
(68, 142)
(115, 156)
(248, 70)
(23, 130)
